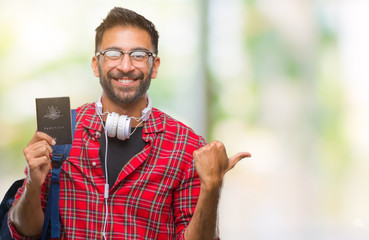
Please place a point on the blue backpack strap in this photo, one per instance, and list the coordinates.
(6, 203)
(60, 153)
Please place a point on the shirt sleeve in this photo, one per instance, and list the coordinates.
(185, 199)
(44, 189)
(186, 195)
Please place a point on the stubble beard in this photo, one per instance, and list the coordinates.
(125, 94)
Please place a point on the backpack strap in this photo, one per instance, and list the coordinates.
(4, 209)
(60, 154)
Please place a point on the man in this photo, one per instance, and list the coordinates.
(163, 181)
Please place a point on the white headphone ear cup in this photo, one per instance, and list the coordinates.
(111, 124)
(124, 127)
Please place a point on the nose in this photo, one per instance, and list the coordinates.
(125, 64)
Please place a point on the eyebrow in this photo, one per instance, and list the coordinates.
(133, 49)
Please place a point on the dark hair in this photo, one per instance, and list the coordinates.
(124, 17)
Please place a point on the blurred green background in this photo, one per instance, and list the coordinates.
(285, 80)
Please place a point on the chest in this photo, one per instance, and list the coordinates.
(115, 154)
(157, 169)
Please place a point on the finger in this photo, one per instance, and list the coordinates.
(39, 136)
(38, 162)
(40, 146)
(218, 145)
(236, 158)
(39, 150)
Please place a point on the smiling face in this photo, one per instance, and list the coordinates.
(125, 83)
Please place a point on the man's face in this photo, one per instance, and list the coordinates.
(125, 83)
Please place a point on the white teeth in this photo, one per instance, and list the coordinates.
(125, 81)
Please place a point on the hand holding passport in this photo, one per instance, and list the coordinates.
(54, 118)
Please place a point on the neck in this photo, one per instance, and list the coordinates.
(131, 110)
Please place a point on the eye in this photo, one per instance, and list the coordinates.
(138, 55)
(113, 54)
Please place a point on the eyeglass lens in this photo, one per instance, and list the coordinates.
(138, 58)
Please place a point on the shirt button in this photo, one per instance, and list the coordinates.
(97, 134)
(94, 164)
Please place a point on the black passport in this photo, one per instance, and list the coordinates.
(54, 118)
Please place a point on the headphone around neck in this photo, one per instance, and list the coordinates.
(120, 125)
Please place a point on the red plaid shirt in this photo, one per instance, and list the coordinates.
(154, 196)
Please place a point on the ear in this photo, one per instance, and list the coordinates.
(155, 68)
(95, 66)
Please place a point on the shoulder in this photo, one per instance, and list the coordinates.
(86, 108)
(85, 111)
(86, 116)
(175, 128)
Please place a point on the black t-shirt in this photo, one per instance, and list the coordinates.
(119, 153)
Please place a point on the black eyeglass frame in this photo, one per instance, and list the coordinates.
(102, 53)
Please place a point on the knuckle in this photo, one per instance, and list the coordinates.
(31, 164)
(38, 134)
(26, 153)
(198, 152)
(216, 143)
(209, 145)
(220, 145)
(44, 149)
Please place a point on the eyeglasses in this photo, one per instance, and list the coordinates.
(138, 58)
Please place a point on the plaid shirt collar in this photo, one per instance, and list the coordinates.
(154, 125)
